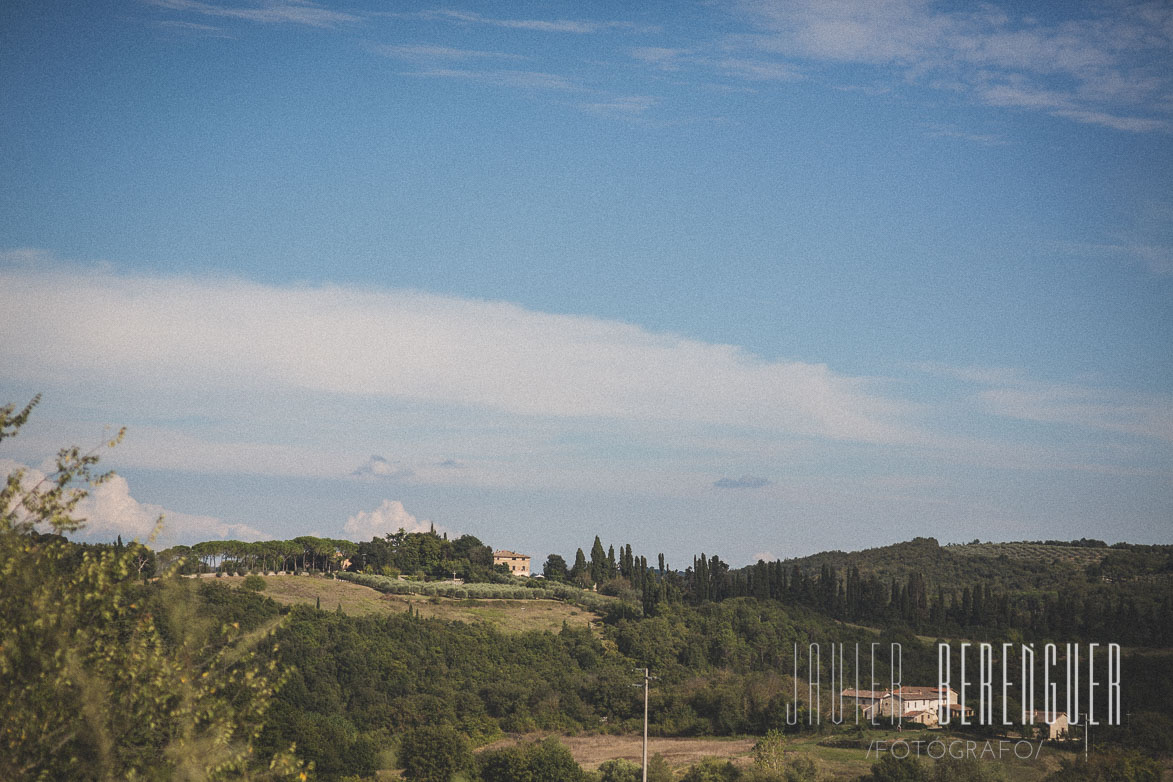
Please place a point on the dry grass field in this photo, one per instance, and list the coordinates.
(834, 763)
(590, 751)
(513, 616)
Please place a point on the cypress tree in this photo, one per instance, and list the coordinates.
(598, 561)
(580, 565)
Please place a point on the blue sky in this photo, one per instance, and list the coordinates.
(754, 278)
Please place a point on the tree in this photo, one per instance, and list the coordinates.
(507, 764)
(580, 573)
(598, 561)
(91, 687)
(712, 770)
(770, 751)
(543, 761)
(1115, 765)
(555, 568)
(433, 753)
(550, 761)
(659, 770)
(893, 769)
(619, 770)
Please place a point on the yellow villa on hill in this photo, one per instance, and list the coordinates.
(518, 563)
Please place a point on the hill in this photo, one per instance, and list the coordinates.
(1020, 567)
(507, 616)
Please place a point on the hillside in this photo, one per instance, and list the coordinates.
(507, 616)
(1021, 566)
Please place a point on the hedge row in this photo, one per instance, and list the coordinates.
(477, 591)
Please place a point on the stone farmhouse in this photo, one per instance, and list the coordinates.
(1053, 726)
(518, 563)
(910, 704)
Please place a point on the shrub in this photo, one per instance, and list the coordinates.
(619, 770)
(433, 754)
(254, 582)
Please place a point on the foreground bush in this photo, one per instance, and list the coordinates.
(101, 676)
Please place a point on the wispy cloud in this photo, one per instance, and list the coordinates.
(1095, 408)
(662, 57)
(428, 53)
(747, 68)
(194, 28)
(529, 80)
(538, 25)
(272, 12)
(938, 130)
(759, 70)
(1116, 122)
(624, 106)
(1013, 394)
(1110, 68)
(1157, 258)
(29, 257)
(379, 467)
(746, 482)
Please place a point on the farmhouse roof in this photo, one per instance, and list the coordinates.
(920, 692)
(1043, 716)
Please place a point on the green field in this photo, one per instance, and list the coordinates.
(513, 616)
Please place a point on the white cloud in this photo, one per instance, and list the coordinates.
(272, 12)
(1012, 394)
(630, 105)
(1131, 124)
(759, 70)
(426, 53)
(26, 257)
(110, 511)
(1113, 411)
(1099, 68)
(378, 467)
(745, 482)
(388, 518)
(939, 130)
(537, 25)
(662, 57)
(224, 337)
(530, 80)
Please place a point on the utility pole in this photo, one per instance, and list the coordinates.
(645, 763)
(647, 678)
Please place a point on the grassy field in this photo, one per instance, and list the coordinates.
(834, 763)
(590, 751)
(512, 616)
